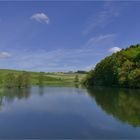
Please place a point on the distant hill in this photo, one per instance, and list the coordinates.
(120, 69)
(48, 78)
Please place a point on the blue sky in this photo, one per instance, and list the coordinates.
(65, 35)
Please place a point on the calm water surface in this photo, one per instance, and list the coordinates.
(57, 112)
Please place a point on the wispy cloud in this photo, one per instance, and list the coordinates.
(90, 67)
(84, 57)
(4, 55)
(94, 41)
(114, 49)
(103, 18)
(40, 17)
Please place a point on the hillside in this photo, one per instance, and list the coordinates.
(120, 69)
(49, 79)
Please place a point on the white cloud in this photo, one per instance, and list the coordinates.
(40, 17)
(4, 55)
(114, 49)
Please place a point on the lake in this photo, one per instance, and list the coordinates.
(60, 112)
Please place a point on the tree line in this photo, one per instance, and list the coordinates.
(120, 69)
(22, 80)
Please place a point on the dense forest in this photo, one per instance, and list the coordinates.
(120, 69)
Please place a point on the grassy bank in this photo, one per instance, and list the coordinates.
(50, 79)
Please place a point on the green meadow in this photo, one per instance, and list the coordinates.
(49, 79)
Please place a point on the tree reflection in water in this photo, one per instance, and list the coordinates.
(123, 104)
(41, 90)
(8, 95)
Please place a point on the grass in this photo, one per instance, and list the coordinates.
(63, 79)
(50, 79)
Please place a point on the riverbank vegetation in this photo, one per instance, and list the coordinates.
(120, 69)
(19, 79)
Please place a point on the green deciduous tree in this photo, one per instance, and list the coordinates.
(10, 80)
(41, 78)
(124, 72)
(76, 79)
(119, 69)
(134, 78)
(23, 80)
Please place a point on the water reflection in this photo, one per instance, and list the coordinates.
(122, 104)
(8, 95)
(41, 90)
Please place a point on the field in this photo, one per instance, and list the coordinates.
(50, 79)
(63, 79)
